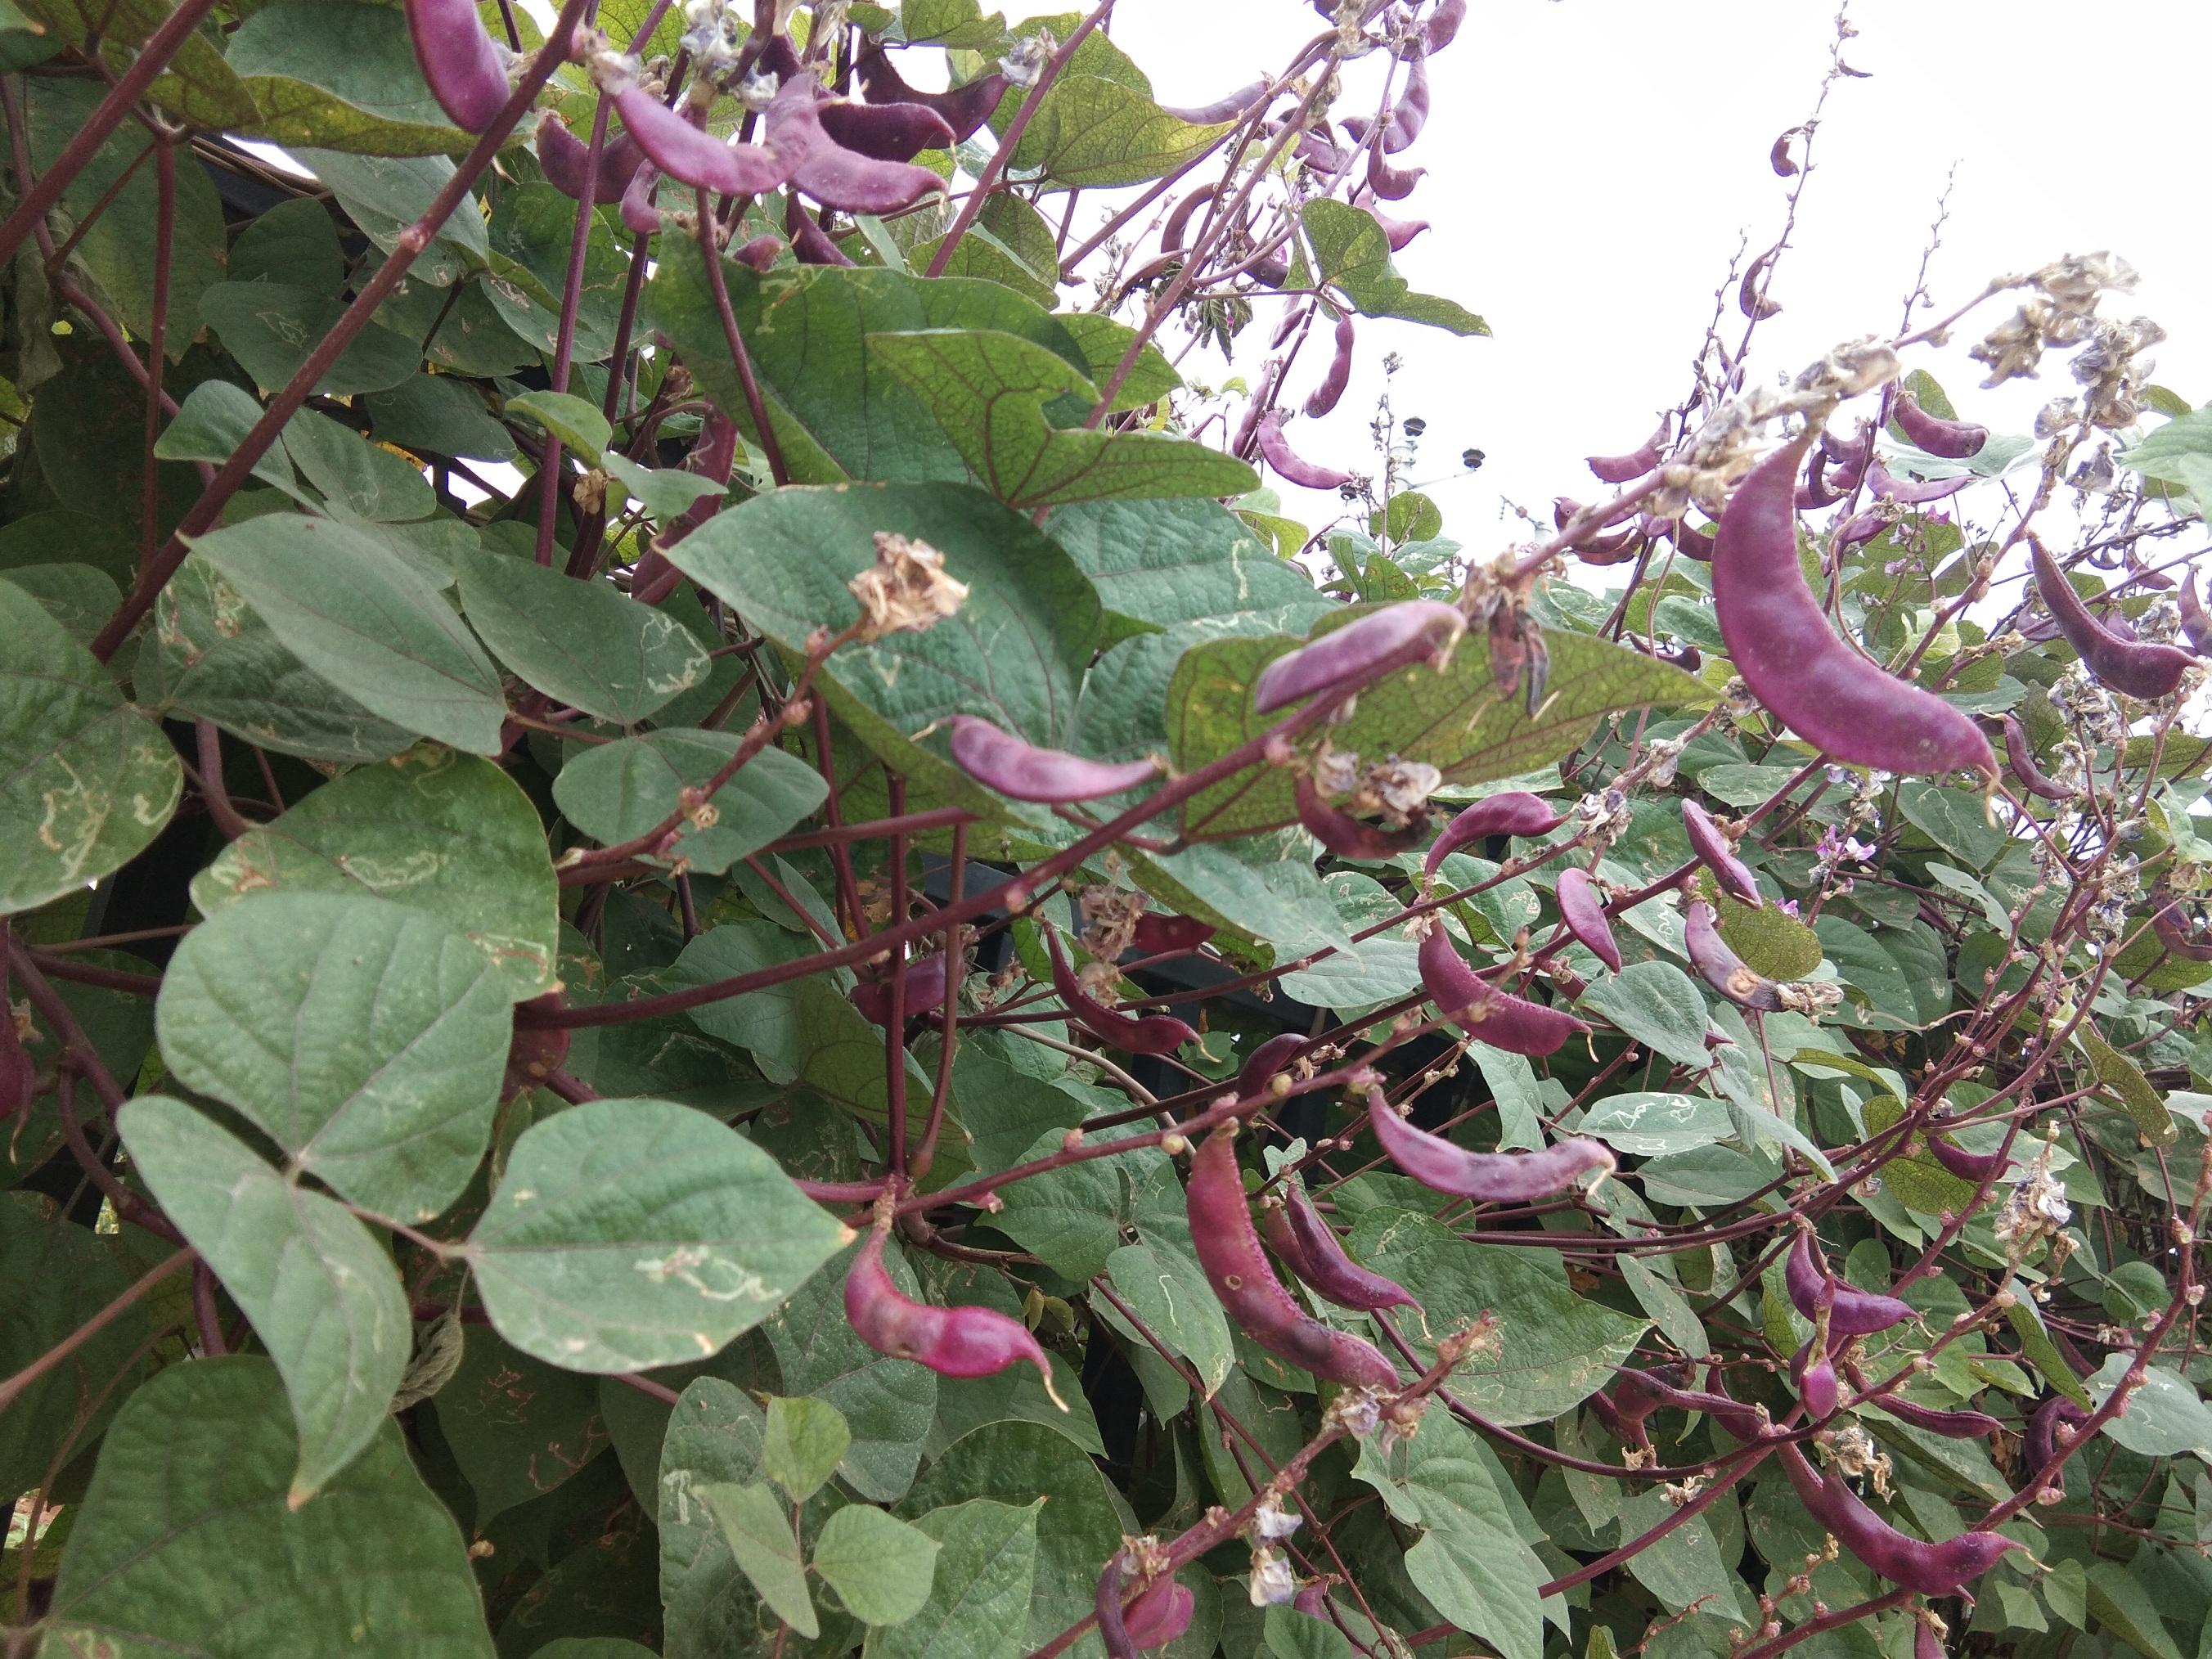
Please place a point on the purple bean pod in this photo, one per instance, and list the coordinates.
(2176, 937)
(2195, 623)
(1584, 912)
(1692, 544)
(1516, 812)
(1951, 1424)
(1160, 1613)
(963, 109)
(1023, 770)
(1324, 396)
(1106, 1607)
(1884, 484)
(1954, 441)
(1158, 935)
(1725, 971)
(810, 244)
(962, 1342)
(1411, 112)
(1228, 1250)
(1398, 232)
(1312, 1599)
(1637, 1395)
(562, 156)
(1943, 1569)
(1171, 232)
(1975, 1167)
(1854, 1312)
(690, 154)
(1781, 643)
(1147, 1034)
(1858, 529)
(2137, 668)
(1926, 1643)
(1276, 448)
(815, 162)
(1628, 468)
(1351, 656)
(1318, 1257)
(638, 211)
(464, 67)
(1442, 25)
(1314, 150)
(2040, 1443)
(760, 252)
(1485, 1177)
(1269, 1058)
(888, 132)
(925, 991)
(1392, 183)
(1346, 837)
(1233, 106)
(1717, 854)
(1815, 1378)
(1482, 1010)
(2019, 761)
(1816, 490)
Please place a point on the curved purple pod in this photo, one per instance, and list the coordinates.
(2196, 623)
(1145, 1034)
(810, 244)
(1161, 1612)
(1584, 912)
(1106, 1609)
(761, 252)
(1482, 1010)
(1781, 643)
(1859, 528)
(1320, 1259)
(888, 132)
(2019, 761)
(925, 991)
(1158, 935)
(1442, 25)
(1269, 1057)
(1931, 1569)
(1353, 653)
(1179, 221)
(2176, 935)
(1411, 112)
(1815, 1378)
(464, 67)
(563, 156)
(1398, 232)
(1516, 812)
(1312, 1599)
(1232, 107)
(2138, 668)
(1628, 468)
(1346, 837)
(1391, 184)
(1718, 854)
(1637, 1395)
(1815, 490)
(1721, 969)
(2040, 1443)
(1976, 1167)
(1884, 484)
(1951, 1424)
(1324, 396)
(1954, 441)
(1486, 1178)
(963, 1342)
(1229, 1251)
(816, 163)
(1015, 767)
(638, 211)
(692, 155)
(1854, 1312)
(1692, 544)
(1294, 467)
(963, 109)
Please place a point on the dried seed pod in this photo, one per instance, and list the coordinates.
(1310, 1249)
(1294, 468)
(1482, 1010)
(1021, 770)
(1149, 1033)
(1486, 1178)
(1269, 1057)
(2040, 1443)
(1853, 1312)
(1351, 655)
(1584, 912)
(2137, 668)
(1228, 1250)
(2196, 624)
(464, 67)
(1233, 106)
(888, 132)
(1781, 643)
(1158, 935)
(925, 991)
(1717, 854)
(1347, 837)
(2019, 761)
(1323, 397)
(1931, 1569)
(951, 1341)
(690, 154)
(1628, 468)
(564, 156)
(963, 109)
(1516, 812)
(1954, 441)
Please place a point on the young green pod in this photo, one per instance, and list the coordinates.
(2041, 1442)
(961, 1342)
(1158, 935)
(1725, 971)
(963, 109)
(1228, 1250)
(1293, 467)
(1016, 768)
(690, 154)
(1485, 1177)
(888, 132)
(464, 67)
(1516, 812)
(1717, 854)
(1482, 1010)
(1311, 1249)
(1943, 1569)
(564, 156)
(1852, 1312)
(1954, 441)
(2196, 623)
(2019, 761)
(1147, 1034)
(1584, 912)
(1809, 678)
(1346, 837)
(1323, 397)
(1348, 656)
(2137, 668)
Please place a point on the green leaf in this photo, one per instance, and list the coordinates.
(198, 85)
(1777, 946)
(950, 23)
(340, 75)
(440, 414)
(1294, 1635)
(212, 423)
(1655, 1004)
(385, 194)
(320, 1291)
(881, 1568)
(627, 1234)
(2165, 1418)
(979, 1597)
(615, 792)
(531, 232)
(785, 558)
(665, 493)
(567, 417)
(989, 391)
(272, 328)
(355, 612)
(2123, 1605)
(518, 1429)
(2161, 455)
(581, 643)
(1457, 721)
(1954, 819)
(86, 782)
(1091, 131)
(1164, 1288)
(758, 1531)
(1555, 1348)
(449, 835)
(2138, 1097)
(1158, 563)
(1653, 1125)
(806, 1440)
(355, 475)
(367, 1039)
(1355, 259)
(188, 1542)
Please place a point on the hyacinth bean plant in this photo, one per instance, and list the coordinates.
(721, 937)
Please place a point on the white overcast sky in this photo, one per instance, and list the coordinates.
(1593, 164)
